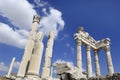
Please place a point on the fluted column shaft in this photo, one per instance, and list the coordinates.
(28, 48)
(36, 57)
(97, 65)
(46, 70)
(79, 55)
(109, 61)
(89, 64)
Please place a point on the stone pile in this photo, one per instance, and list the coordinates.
(115, 76)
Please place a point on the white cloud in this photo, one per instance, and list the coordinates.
(67, 44)
(52, 21)
(23, 32)
(71, 48)
(19, 12)
(40, 3)
(64, 36)
(10, 37)
(16, 64)
(3, 67)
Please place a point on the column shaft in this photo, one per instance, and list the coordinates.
(48, 55)
(97, 65)
(109, 61)
(89, 64)
(11, 66)
(28, 48)
(79, 55)
(36, 57)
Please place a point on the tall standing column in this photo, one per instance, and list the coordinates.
(36, 57)
(48, 55)
(97, 65)
(109, 60)
(11, 66)
(79, 55)
(89, 64)
(28, 48)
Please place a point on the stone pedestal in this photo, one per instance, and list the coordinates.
(97, 65)
(46, 72)
(89, 64)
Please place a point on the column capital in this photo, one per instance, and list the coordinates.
(107, 48)
(36, 18)
(88, 48)
(107, 41)
(79, 42)
(95, 51)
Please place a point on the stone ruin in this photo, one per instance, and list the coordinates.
(67, 72)
(31, 60)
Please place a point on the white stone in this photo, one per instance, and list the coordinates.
(97, 65)
(46, 71)
(10, 69)
(28, 48)
(89, 64)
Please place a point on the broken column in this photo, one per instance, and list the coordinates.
(10, 69)
(89, 64)
(97, 65)
(46, 73)
(35, 61)
(28, 48)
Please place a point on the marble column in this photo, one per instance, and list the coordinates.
(97, 64)
(109, 60)
(28, 48)
(89, 64)
(48, 55)
(36, 57)
(79, 55)
(10, 69)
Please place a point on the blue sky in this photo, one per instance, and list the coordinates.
(101, 19)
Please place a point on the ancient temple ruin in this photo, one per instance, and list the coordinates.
(83, 38)
(30, 64)
(31, 60)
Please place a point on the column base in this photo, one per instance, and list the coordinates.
(46, 72)
(32, 76)
(19, 78)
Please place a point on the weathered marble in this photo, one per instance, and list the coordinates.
(28, 48)
(97, 64)
(79, 55)
(35, 61)
(46, 70)
(10, 68)
(83, 38)
(89, 64)
(109, 61)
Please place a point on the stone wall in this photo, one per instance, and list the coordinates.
(116, 76)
